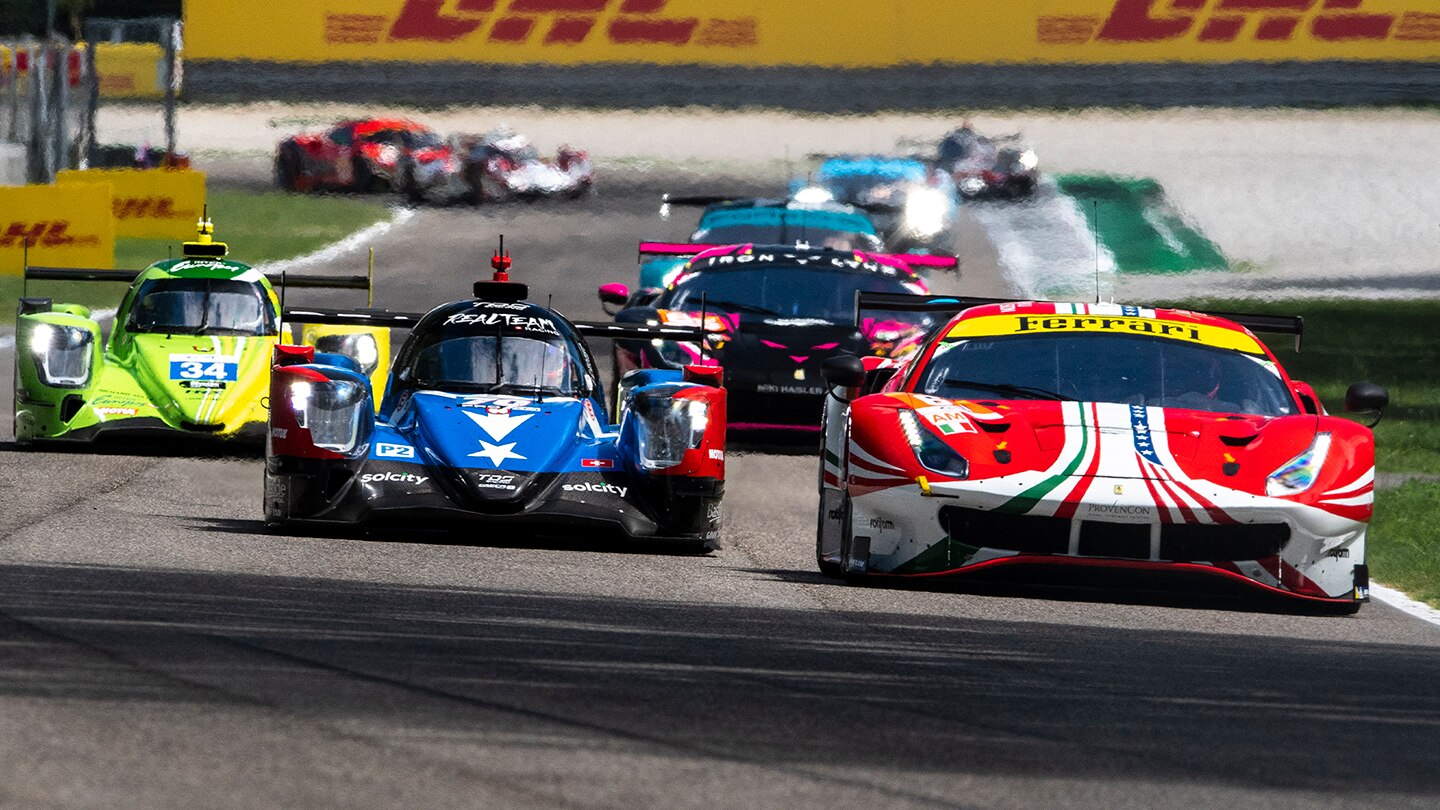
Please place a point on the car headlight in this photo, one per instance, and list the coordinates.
(62, 354)
(932, 453)
(666, 427)
(1299, 473)
(330, 410)
(1028, 160)
(972, 185)
(925, 212)
(360, 347)
(813, 195)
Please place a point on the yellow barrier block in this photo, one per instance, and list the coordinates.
(149, 203)
(832, 33)
(67, 226)
(130, 69)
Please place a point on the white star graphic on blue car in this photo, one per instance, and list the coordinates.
(497, 453)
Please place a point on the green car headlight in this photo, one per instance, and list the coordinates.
(62, 354)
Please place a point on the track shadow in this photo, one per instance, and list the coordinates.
(1178, 589)
(938, 703)
(588, 542)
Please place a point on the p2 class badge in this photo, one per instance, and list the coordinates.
(391, 450)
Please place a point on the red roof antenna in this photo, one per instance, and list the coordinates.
(501, 262)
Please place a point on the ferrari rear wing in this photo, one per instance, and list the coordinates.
(953, 304)
(407, 320)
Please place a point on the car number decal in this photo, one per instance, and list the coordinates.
(203, 367)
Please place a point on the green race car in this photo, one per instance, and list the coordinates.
(189, 354)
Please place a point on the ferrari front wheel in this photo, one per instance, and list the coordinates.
(831, 567)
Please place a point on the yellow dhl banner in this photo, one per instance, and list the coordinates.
(829, 33)
(130, 69)
(150, 203)
(66, 226)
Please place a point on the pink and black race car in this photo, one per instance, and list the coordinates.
(352, 156)
(772, 314)
(1099, 436)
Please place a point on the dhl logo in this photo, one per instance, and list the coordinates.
(45, 233)
(554, 22)
(1219, 21)
(150, 208)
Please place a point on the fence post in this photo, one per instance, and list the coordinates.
(92, 102)
(170, 77)
(60, 149)
(36, 143)
(13, 94)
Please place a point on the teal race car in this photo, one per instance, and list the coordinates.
(732, 221)
(188, 356)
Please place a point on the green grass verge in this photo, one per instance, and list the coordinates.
(1402, 551)
(1389, 343)
(1386, 342)
(258, 227)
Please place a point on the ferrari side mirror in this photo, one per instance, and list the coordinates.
(843, 371)
(1367, 397)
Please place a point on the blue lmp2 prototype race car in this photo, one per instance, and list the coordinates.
(495, 416)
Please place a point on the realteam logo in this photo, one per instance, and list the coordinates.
(541, 22)
(608, 489)
(1221, 21)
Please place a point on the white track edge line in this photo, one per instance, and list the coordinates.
(1400, 601)
(398, 216)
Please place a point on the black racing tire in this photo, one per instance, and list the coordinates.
(834, 570)
(288, 165)
(362, 178)
(410, 187)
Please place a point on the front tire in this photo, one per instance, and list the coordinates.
(830, 568)
(363, 178)
(287, 168)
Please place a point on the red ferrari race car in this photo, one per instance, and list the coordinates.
(352, 156)
(495, 167)
(1101, 436)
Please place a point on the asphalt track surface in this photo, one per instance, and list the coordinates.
(158, 649)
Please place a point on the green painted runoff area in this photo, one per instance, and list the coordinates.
(1139, 226)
